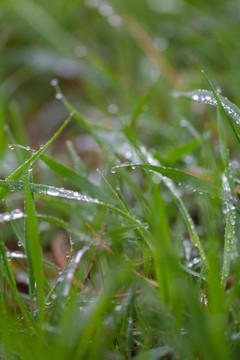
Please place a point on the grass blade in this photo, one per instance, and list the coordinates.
(34, 252)
(22, 170)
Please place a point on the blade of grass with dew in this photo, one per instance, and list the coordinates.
(34, 251)
(22, 170)
(230, 110)
(228, 185)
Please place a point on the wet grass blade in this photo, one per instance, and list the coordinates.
(228, 185)
(22, 170)
(34, 252)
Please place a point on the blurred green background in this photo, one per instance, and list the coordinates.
(107, 55)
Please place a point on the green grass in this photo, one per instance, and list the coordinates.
(119, 180)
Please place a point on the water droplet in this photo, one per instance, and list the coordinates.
(113, 170)
(112, 108)
(11, 147)
(54, 82)
(105, 9)
(17, 214)
(53, 191)
(6, 217)
(183, 123)
(58, 96)
(115, 20)
(195, 97)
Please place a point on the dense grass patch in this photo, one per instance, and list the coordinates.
(119, 180)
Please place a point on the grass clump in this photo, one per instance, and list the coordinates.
(119, 235)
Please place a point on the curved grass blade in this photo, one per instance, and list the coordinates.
(229, 186)
(22, 170)
(212, 98)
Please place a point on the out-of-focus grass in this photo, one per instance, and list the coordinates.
(119, 236)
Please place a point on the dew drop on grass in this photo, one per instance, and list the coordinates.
(115, 20)
(207, 97)
(54, 82)
(6, 217)
(112, 109)
(17, 214)
(113, 171)
(52, 191)
(195, 97)
(58, 96)
(105, 10)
